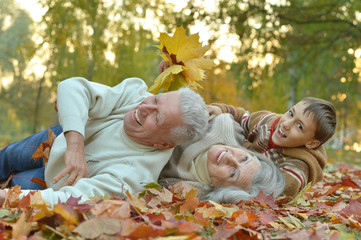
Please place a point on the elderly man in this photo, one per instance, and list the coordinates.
(114, 138)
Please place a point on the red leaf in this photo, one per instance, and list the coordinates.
(262, 198)
(348, 182)
(354, 208)
(265, 217)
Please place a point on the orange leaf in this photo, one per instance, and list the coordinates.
(112, 208)
(69, 218)
(12, 197)
(38, 153)
(39, 181)
(191, 202)
(43, 150)
(21, 227)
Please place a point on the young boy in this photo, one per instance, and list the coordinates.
(292, 140)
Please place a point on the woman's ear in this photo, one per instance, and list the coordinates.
(313, 144)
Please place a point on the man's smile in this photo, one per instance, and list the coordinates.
(136, 117)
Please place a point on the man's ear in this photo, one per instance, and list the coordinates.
(313, 144)
(164, 145)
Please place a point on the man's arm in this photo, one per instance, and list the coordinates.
(78, 100)
(76, 167)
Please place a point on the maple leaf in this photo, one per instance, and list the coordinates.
(12, 197)
(112, 208)
(299, 199)
(43, 151)
(69, 218)
(217, 211)
(138, 204)
(181, 189)
(39, 181)
(185, 55)
(263, 199)
(354, 208)
(32, 198)
(21, 227)
(95, 227)
(191, 203)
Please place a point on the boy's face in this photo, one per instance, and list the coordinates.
(296, 129)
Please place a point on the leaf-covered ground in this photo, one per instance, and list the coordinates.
(328, 210)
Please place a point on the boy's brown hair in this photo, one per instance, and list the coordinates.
(324, 114)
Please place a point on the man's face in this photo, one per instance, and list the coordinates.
(296, 129)
(150, 122)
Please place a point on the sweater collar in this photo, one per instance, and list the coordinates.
(270, 142)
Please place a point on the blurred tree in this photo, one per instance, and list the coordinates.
(17, 50)
(293, 49)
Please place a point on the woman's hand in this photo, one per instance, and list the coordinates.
(75, 164)
(213, 111)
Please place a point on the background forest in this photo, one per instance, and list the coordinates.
(269, 54)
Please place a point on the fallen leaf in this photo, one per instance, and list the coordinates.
(39, 181)
(21, 227)
(117, 209)
(95, 227)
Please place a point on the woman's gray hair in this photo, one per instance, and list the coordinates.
(269, 179)
(195, 117)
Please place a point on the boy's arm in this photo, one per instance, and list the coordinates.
(237, 112)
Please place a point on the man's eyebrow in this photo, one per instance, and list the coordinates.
(160, 115)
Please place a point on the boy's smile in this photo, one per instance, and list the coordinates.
(296, 129)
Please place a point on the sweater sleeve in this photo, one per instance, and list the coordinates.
(236, 112)
(79, 99)
(96, 186)
(302, 166)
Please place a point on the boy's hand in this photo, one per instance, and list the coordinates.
(213, 111)
(163, 65)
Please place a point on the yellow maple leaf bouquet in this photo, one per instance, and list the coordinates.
(185, 57)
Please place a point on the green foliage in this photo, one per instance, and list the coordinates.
(107, 41)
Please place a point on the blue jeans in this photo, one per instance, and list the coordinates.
(17, 158)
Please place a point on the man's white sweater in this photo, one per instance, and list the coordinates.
(115, 162)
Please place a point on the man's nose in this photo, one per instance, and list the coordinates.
(147, 108)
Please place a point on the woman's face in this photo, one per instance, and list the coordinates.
(228, 166)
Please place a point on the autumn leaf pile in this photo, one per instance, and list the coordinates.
(330, 209)
(185, 57)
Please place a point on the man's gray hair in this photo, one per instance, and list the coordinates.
(269, 179)
(195, 118)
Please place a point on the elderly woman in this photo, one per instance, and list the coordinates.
(220, 167)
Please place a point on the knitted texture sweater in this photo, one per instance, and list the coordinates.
(116, 163)
(299, 165)
(222, 130)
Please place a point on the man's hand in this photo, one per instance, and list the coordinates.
(163, 65)
(213, 111)
(75, 164)
(2, 196)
